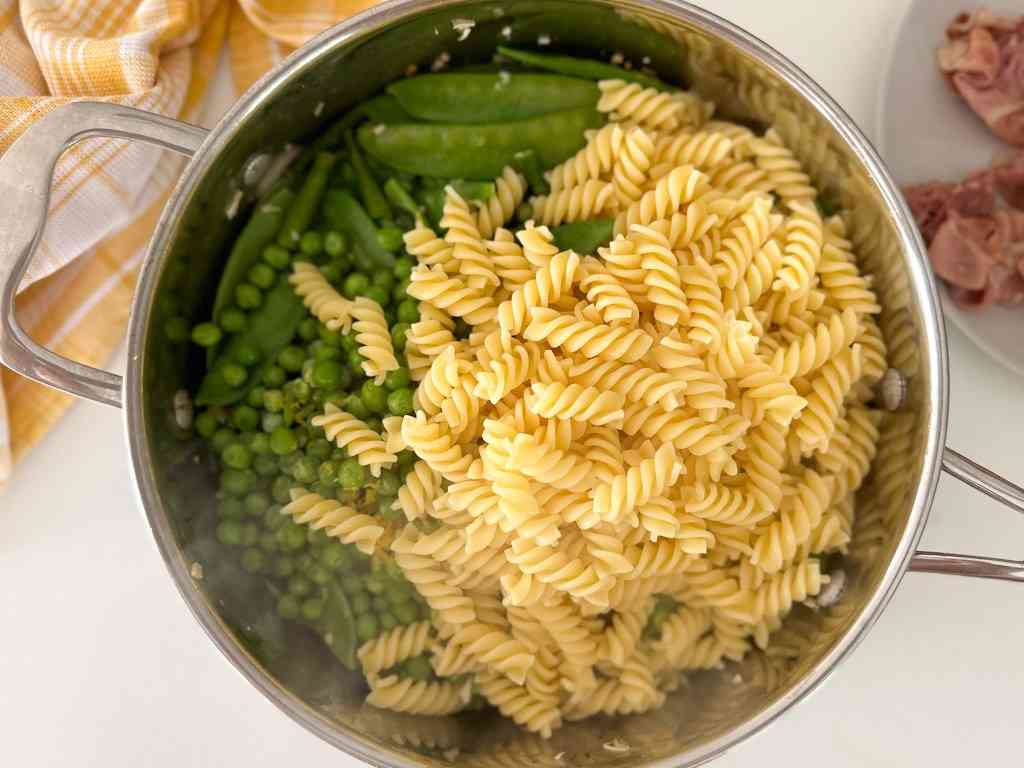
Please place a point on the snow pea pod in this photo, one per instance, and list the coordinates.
(304, 206)
(369, 190)
(589, 69)
(584, 236)
(269, 330)
(456, 97)
(343, 213)
(338, 624)
(478, 151)
(401, 199)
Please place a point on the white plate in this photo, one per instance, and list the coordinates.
(925, 132)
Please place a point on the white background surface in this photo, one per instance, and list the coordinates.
(101, 664)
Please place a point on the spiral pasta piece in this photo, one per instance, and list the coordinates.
(843, 283)
(648, 107)
(703, 150)
(549, 465)
(546, 286)
(334, 519)
(817, 422)
(586, 337)
(679, 187)
(788, 179)
(592, 162)
(352, 435)
(551, 566)
(414, 697)
(433, 442)
(509, 190)
(373, 337)
(615, 500)
(662, 278)
(817, 346)
(630, 172)
(733, 506)
(394, 646)
(743, 241)
(330, 307)
(700, 282)
(635, 383)
(607, 294)
(422, 485)
(423, 243)
(585, 201)
(433, 332)
(851, 450)
(463, 234)
(505, 372)
(684, 429)
(518, 703)
(432, 285)
(757, 280)
(799, 515)
(623, 632)
(572, 401)
(802, 252)
(774, 598)
(510, 263)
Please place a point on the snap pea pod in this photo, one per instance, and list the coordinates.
(369, 191)
(589, 69)
(259, 232)
(269, 330)
(343, 213)
(381, 109)
(526, 163)
(401, 199)
(338, 624)
(457, 97)
(304, 205)
(478, 151)
(584, 236)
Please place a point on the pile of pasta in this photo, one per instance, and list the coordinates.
(680, 419)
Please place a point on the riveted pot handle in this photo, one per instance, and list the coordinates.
(26, 170)
(991, 485)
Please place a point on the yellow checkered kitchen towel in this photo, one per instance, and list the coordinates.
(157, 55)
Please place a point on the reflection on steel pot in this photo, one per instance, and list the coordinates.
(346, 64)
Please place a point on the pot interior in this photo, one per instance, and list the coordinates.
(177, 477)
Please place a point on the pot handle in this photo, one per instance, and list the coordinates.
(992, 485)
(26, 170)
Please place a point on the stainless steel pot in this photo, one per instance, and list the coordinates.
(749, 81)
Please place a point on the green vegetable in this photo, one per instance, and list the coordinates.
(176, 329)
(248, 296)
(304, 207)
(374, 397)
(526, 163)
(343, 213)
(390, 239)
(400, 402)
(233, 374)
(351, 475)
(337, 622)
(401, 199)
(335, 243)
(283, 441)
(276, 256)
(589, 69)
(233, 320)
(584, 236)
(479, 151)
(457, 97)
(262, 276)
(367, 627)
(355, 285)
(311, 243)
(373, 198)
(263, 227)
(269, 329)
(206, 335)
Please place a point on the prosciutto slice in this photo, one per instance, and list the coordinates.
(983, 61)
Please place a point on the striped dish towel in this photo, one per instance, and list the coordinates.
(157, 55)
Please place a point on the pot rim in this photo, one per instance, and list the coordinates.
(364, 24)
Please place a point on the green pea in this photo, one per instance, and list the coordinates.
(374, 397)
(250, 534)
(264, 465)
(262, 276)
(384, 280)
(233, 320)
(381, 295)
(271, 421)
(176, 329)
(366, 627)
(319, 448)
(291, 358)
(327, 472)
(399, 335)
(318, 574)
(355, 361)
(205, 424)
(348, 342)
(403, 267)
(288, 460)
(397, 379)
(390, 239)
(308, 329)
(380, 604)
(386, 509)
(298, 391)
(291, 537)
(405, 612)
(253, 560)
(284, 566)
(276, 256)
(355, 285)
(304, 470)
(272, 517)
(313, 608)
(312, 243)
(322, 351)
(273, 376)
(256, 503)
(257, 442)
(229, 533)
(400, 402)
(231, 509)
(331, 272)
(335, 243)
(361, 603)
(236, 482)
(248, 296)
(329, 337)
(387, 621)
(304, 561)
(375, 584)
(332, 555)
(418, 668)
(281, 489)
(406, 460)
(254, 398)
(234, 374)
(299, 585)
(328, 374)
(390, 482)
(354, 405)
(400, 292)
(351, 475)
(282, 441)
(245, 417)
(273, 400)
(375, 424)
(206, 335)
(408, 311)
(288, 607)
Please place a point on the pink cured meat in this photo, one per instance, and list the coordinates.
(1009, 180)
(932, 203)
(983, 60)
(982, 258)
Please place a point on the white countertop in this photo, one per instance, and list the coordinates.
(101, 663)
